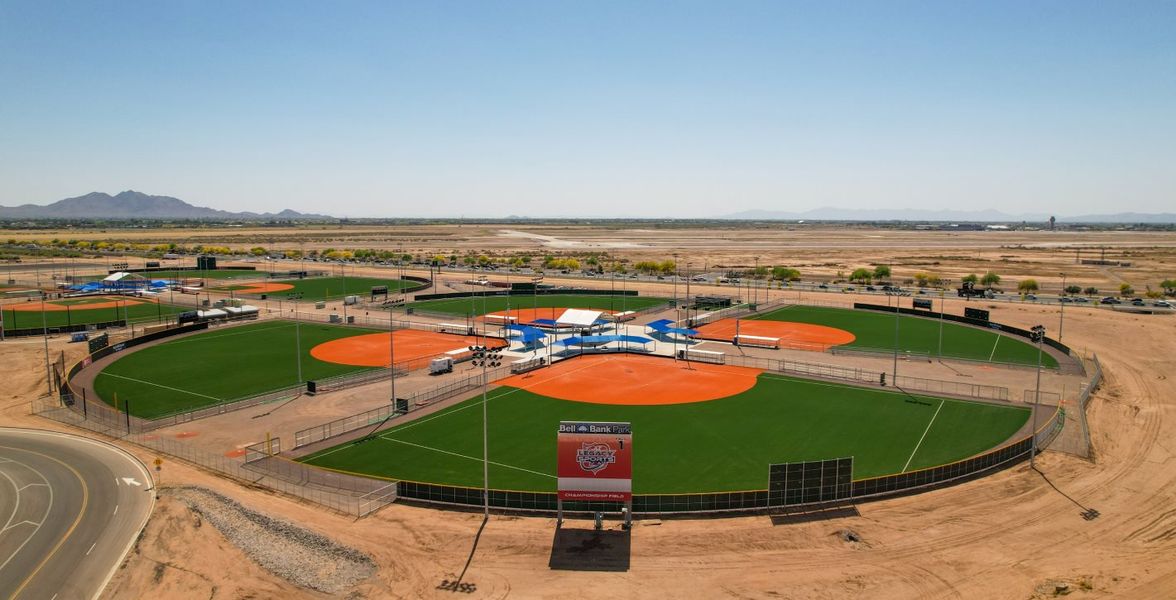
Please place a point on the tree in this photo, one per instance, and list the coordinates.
(881, 271)
(785, 273)
(1090, 291)
(258, 251)
(1169, 286)
(971, 278)
(861, 274)
(1125, 289)
(921, 279)
(990, 279)
(1027, 285)
(1073, 289)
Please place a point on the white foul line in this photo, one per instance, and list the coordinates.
(908, 462)
(465, 456)
(159, 385)
(990, 356)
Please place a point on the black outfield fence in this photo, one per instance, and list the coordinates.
(1017, 331)
(537, 292)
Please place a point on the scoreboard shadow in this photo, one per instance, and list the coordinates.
(590, 550)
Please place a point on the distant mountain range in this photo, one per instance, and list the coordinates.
(955, 216)
(137, 205)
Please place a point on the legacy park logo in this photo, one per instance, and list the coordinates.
(594, 457)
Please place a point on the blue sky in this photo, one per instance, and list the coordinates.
(687, 109)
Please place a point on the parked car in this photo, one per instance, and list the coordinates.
(1138, 302)
(1031, 297)
(1109, 300)
(870, 288)
(1163, 304)
(1065, 299)
(1081, 300)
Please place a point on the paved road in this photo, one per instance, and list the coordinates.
(70, 509)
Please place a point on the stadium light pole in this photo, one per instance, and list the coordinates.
(45, 335)
(485, 357)
(392, 359)
(941, 311)
(1038, 335)
(1062, 317)
(894, 373)
(755, 277)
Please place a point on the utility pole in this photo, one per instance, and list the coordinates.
(1038, 335)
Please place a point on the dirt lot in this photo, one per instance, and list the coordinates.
(1017, 534)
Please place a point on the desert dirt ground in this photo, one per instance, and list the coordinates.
(1015, 534)
(817, 250)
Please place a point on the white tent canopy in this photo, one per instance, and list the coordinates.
(576, 317)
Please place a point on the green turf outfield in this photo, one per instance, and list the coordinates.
(489, 304)
(875, 331)
(721, 445)
(218, 366)
(329, 288)
(79, 314)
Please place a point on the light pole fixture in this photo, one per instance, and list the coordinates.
(485, 357)
(1037, 334)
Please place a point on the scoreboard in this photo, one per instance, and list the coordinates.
(976, 313)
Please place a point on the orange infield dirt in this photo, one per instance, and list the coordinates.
(801, 336)
(635, 380)
(51, 307)
(372, 350)
(261, 288)
(528, 315)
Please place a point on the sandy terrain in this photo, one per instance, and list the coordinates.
(1012, 535)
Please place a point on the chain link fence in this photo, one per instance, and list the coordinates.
(388, 413)
(357, 496)
(876, 378)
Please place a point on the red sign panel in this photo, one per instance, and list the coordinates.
(595, 461)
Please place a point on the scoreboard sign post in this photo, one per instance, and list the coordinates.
(594, 462)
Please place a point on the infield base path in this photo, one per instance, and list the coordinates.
(635, 380)
(801, 336)
(372, 350)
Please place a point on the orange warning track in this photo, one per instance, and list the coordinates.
(260, 288)
(635, 380)
(528, 315)
(801, 336)
(372, 350)
(51, 307)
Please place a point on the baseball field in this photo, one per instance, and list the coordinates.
(219, 366)
(317, 288)
(85, 310)
(875, 331)
(231, 363)
(697, 428)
